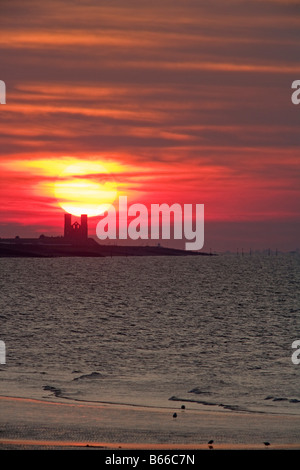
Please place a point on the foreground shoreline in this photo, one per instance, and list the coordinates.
(34, 424)
(27, 444)
(58, 247)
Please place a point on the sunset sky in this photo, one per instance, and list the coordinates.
(180, 101)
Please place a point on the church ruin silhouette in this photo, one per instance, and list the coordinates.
(76, 231)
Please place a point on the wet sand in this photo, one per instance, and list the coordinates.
(43, 424)
(65, 445)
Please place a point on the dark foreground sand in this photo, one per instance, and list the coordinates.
(37, 424)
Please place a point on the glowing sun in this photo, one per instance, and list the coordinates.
(85, 188)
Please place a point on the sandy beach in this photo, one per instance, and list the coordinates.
(38, 424)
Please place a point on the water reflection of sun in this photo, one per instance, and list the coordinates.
(85, 188)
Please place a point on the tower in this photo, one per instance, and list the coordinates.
(84, 226)
(68, 226)
(76, 231)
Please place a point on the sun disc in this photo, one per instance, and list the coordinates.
(85, 188)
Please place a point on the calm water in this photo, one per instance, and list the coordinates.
(216, 331)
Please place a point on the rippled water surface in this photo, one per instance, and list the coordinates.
(215, 331)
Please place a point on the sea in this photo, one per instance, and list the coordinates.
(210, 332)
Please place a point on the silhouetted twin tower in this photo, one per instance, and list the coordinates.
(76, 231)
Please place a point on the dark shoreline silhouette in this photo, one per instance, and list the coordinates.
(50, 247)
